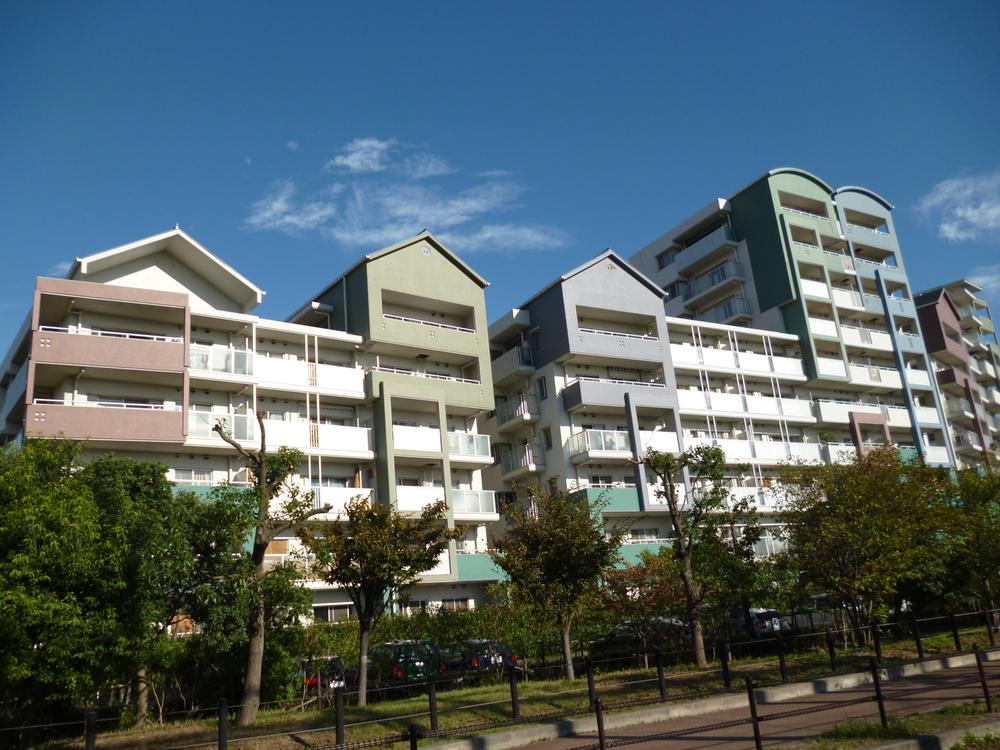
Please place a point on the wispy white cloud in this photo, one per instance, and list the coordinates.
(494, 173)
(507, 237)
(247, 160)
(420, 166)
(280, 211)
(988, 277)
(293, 145)
(363, 155)
(61, 268)
(389, 196)
(965, 208)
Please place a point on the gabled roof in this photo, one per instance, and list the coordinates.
(608, 254)
(423, 236)
(933, 296)
(184, 247)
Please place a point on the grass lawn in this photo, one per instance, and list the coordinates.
(471, 705)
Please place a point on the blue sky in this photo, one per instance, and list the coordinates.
(291, 138)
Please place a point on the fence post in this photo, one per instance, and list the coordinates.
(982, 678)
(781, 658)
(877, 682)
(90, 730)
(727, 678)
(223, 724)
(954, 633)
(591, 690)
(877, 641)
(414, 735)
(543, 653)
(338, 707)
(916, 638)
(602, 740)
(758, 743)
(831, 649)
(661, 679)
(988, 616)
(432, 701)
(515, 701)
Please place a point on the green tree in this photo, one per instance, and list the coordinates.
(974, 563)
(555, 551)
(641, 596)
(270, 476)
(862, 529)
(372, 553)
(713, 534)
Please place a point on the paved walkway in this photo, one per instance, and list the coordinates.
(917, 694)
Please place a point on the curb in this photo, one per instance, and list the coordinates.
(570, 727)
(940, 740)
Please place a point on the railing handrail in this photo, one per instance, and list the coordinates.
(616, 381)
(108, 404)
(867, 229)
(604, 332)
(416, 374)
(221, 347)
(431, 323)
(806, 213)
(858, 403)
(77, 331)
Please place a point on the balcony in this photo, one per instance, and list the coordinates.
(478, 566)
(603, 342)
(829, 367)
(425, 332)
(475, 503)
(927, 415)
(875, 377)
(936, 455)
(130, 351)
(917, 378)
(865, 338)
(968, 443)
(221, 359)
(849, 299)
(661, 441)
(839, 453)
(823, 327)
(415, 499)
(299, 374)
(418, 439)
(716, 280)
(469, 447)
(960, 410)
(587, 391)
(119, 421)
(711, 247)
(830, 411)
(600, 446)
(513, 414)
(337, 497)
(237, 426)
(816, 289)
(14, 394)
(341, 440)
(729, 311)
(521, 460)
(838, 261)
(512, 366)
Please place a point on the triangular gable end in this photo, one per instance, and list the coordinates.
(441, 247)
(205, 267)
(611, 255)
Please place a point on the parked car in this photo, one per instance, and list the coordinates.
(483, 655)
(327, 671)
(764, 622)
(403, 662)
(661, 634)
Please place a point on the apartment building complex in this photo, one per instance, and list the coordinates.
(144, 347)
(789, 253)
(961, 339)
(590, 375)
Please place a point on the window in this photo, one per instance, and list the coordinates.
(644, 535)
(335, 613)
(601, 480)
(542, 387)
(547, 438)
(665, 258)
(200, 476)
(455, 604)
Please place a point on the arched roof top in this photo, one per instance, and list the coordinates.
(801, 173)
(865, 191)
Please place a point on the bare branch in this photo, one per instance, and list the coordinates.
(217, 428)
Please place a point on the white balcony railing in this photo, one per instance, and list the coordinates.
(619, 334)
(603, 441)
(517, 409)
(468, 444)
(239, 426)
(109, 404)
(431, 323)
(412, 438)
(467, 502)
(417, 498)
(416, 374)
(77, 331)
(220, 359)
(522, 457)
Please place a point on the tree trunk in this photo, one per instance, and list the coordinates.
(141, 698)
(698, 640)
(255, 663)
(363, 667)
(567, 650)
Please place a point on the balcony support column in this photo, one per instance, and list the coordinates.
(635, 438)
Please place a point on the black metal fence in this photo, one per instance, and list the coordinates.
(642, 680)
